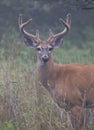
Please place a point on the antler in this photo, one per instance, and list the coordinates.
(57, 37)
(66, 23)
(23, 25)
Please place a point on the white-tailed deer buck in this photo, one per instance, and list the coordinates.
(70, 85)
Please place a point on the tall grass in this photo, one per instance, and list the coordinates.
(24, 104)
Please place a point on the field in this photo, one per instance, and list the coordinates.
(24, 104)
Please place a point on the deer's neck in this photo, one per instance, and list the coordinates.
(46, 74)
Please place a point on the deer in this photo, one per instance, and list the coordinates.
(70, 85)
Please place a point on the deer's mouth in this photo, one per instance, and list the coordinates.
(43, 62)
(45, 58)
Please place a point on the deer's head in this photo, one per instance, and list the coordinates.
(44, 48)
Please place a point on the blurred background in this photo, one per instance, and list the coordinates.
(24, 105)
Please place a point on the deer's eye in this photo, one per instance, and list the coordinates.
(50, 48)
(38, 48)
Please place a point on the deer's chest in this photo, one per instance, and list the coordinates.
(66, 98)
(62, 101)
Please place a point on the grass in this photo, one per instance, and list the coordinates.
(24, 104)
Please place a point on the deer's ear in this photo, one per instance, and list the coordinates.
(30, 42)
(57, 42)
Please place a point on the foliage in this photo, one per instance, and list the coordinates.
(45, 14)
(24, 105)
(6, 126)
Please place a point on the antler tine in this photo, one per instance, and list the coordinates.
(51, 35)
(69, 19)
(20, 19)
(37, 34)
(66, 23)
(22, 25)
(50, 32)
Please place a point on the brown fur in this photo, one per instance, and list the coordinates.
(71, 86)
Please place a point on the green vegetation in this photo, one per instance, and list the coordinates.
(6, 126)
(24, 104)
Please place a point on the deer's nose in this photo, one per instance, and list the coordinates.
(45, 58)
